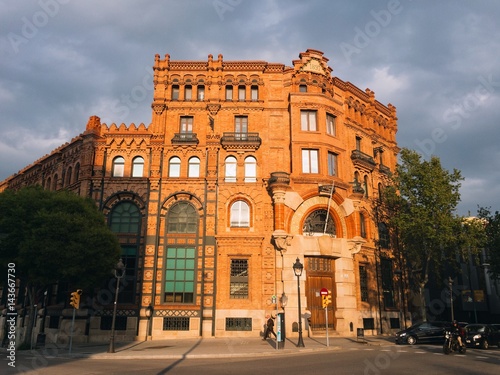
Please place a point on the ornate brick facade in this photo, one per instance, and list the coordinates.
(245, 167)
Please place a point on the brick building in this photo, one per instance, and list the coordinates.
(245, 167)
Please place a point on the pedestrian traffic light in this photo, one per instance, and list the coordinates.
(75, 299)
(326, 300)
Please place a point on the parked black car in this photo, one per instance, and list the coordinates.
(482, 336)
(425, 332)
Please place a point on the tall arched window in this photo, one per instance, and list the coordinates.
(315, 222)
(77, 172)
(230, 169)
(240, 214)
(362, 225)
(118, 166)
(174, 169)
(138, 167)
(250, 169)
(365, 185)
(69, 176)
(125, 221)
(180, 258)
(194, 167)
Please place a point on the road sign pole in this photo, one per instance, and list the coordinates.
(326, 320)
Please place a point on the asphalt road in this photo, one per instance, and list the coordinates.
(392, 359)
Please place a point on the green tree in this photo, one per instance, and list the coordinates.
(419, 209)
(492, 239)
(55, 236)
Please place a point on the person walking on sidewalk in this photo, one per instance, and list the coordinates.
(269, 327)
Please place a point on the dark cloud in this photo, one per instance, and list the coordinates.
(62, 61)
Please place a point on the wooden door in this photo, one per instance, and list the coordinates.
(320, 275)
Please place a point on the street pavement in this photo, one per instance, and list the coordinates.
(212, 347)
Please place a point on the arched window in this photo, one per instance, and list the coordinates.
(229, 92)
(250, 169)
(315, 222)
(69, 175)
(174, 167)
(118, 166)
(362, 224)
(194, 167)
(230, 169)
(182, 218)
(125, 220)
(175, 92)
(254, 90)
(138, 167)
(77, 172)
(56, 177)
(240, 214)
(201, 92)
(125, 217)
(365, 185)
(180, 258)
(188, 92)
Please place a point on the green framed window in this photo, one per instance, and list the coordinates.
(180, 275)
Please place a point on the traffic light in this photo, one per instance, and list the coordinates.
(75, 299)
(326, 300)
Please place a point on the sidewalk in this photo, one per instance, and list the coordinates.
(212, 347)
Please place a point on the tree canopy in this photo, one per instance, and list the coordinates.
(55, 236)
(419, 209)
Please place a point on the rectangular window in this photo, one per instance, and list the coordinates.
(363, 283)
(241, 93)
(175, 92)
(120, 323)
(308, 121)
(330, 124)
(387, 282)
(186, 124)
(238, 324)
(241, 127)
(255, 93)
(179, 275)
(358, 143)
(239, 279)
(188, 93)
(368, 323)
(201, 92)
(229, 92)
(310, 161)
(332, 164)
(176, 323)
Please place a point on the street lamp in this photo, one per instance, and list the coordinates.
(297, 268)
(450, 284)
(119, 273)
(399, 273)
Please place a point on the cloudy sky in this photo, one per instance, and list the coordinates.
(438, 62)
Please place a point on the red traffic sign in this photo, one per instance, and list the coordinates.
(323, 292)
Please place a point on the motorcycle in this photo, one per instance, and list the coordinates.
(451, 343)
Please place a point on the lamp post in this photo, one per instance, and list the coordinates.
(119, 273)
(399, 273)
(297, 268)
(450, 284)
(149, 315)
